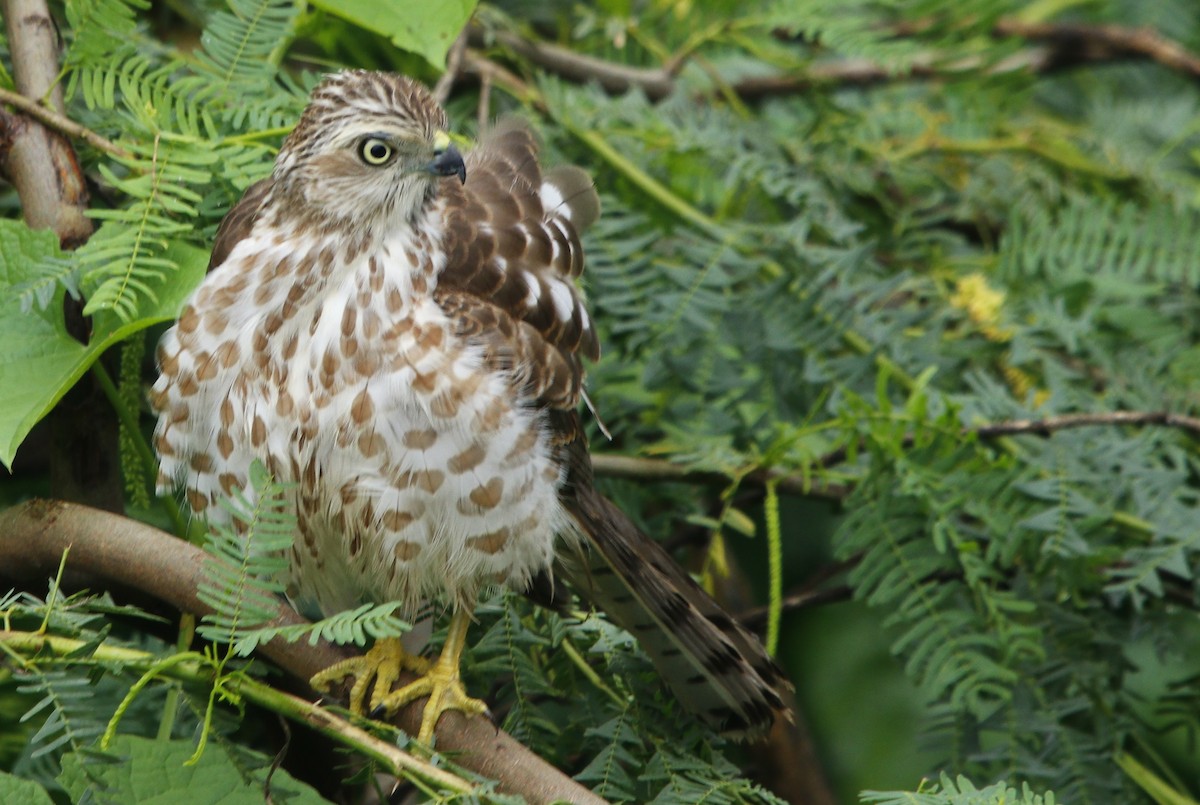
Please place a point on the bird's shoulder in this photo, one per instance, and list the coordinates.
(511, 238)
(237, 223)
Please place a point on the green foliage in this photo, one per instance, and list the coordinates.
(39, 359)
(959, 792)
(835, 285)
(243, 582)
(130, 391)
(421, 28)
(579, 687)
(154, 770)
(15, 789)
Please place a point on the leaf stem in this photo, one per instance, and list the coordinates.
(577, 659)
(775, 565)
(133, 427)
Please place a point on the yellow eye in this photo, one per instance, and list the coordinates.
(375, 151)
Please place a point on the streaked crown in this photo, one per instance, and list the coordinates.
(361, 150)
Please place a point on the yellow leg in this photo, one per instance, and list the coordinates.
(438, 680)
(382, 663)
(441, 683)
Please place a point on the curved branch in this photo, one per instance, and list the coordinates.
(120, 551)
(657, 83)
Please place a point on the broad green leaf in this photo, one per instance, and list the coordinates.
(27, 792)
(39, 360)
(427, 29)
(155, 773)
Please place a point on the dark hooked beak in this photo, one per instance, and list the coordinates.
(448, 162)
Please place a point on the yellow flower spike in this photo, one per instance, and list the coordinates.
(983, 305)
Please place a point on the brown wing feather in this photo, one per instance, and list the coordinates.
(542, 373)
(507, 248)
(238, 222)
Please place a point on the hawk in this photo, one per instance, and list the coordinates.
(394, 330)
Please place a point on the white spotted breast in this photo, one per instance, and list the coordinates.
(418, 471)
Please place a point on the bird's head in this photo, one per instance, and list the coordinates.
(369, 150)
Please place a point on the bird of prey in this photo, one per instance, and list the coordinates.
(394, 330)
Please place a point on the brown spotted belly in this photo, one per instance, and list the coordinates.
(416, 472)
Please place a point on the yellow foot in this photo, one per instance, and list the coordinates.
(383, 663)
(445, 691)
(439, 680)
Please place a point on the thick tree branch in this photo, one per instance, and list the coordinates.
(115, 550)
(41, 163)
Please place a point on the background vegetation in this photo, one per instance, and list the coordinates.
(898, 304)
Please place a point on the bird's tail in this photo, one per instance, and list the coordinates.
(716, 668)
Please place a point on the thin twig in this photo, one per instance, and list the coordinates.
(1064, 45)
(60, 123)
(441, 90)
(656, 469)
(476, 63)
(1045, 427)
(756, 617)
(656, 83)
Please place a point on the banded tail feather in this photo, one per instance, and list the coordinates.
(716, 668)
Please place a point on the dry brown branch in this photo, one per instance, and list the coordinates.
(116, 551)
(42, 167)
(655, 82)
(477, 64)
(1106, 42)
(1063, 45)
